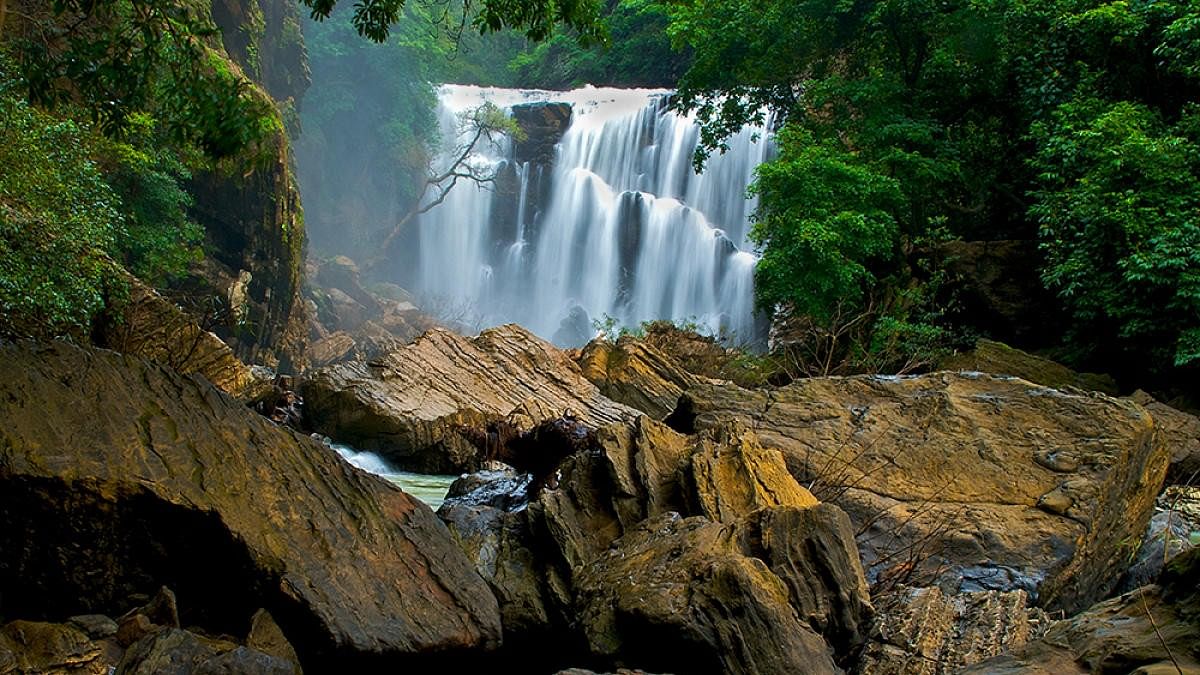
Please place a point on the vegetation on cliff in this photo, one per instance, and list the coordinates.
(908, 122)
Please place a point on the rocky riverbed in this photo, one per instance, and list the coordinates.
(620, 508)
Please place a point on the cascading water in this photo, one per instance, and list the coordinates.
(619, 226)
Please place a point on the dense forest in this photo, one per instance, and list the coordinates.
(900, 126)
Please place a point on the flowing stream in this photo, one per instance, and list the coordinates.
(430, 489)
(616, 225)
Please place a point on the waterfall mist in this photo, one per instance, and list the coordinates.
(612, 221)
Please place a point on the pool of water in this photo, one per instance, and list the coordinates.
(430, 489)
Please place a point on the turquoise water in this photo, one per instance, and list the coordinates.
(430, 489)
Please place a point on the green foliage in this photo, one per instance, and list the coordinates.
(374, 19)
(824, 216)
(117, 58)
(58, 219)
(1072, 121)
(1118, 203)
(158, 240)
(638, 54)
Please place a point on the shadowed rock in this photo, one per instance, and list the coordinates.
(109, 462)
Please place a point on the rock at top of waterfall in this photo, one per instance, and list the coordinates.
(544, 124)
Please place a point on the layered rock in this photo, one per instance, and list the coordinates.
(923, 631)
(420, 406)
(971, 481)
(1154, 629)
(544, 125)
(666, 552)
(637, 374)
(153, 327)
(109, 461)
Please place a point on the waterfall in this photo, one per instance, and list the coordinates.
(619, 225)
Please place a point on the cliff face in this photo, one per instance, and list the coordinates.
(252, 215)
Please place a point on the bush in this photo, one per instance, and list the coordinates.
(58, 222)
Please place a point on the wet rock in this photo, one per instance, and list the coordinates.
(544, 124)
(414, 405)
(971, 482)
(1154, 629)
(676, 594)
(575, 328)
(923, 631)
(637, 374)
(176, 483)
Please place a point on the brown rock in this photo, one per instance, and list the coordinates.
(943, 474)
(333, 348)
(413, 404)
(153, 327)
(107, 460)
(637, 374)
(922, 631)
(266, 637)
(676, 594)
(535, 556)
(1154, 629)
(50, 648)
(1181, 433)
(171, 651)
(997, 358)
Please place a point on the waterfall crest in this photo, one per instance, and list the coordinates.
(617, 225)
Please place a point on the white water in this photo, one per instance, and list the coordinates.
(428, 488)
(628, 231)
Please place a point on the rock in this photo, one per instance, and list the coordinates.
(1182, 436)
(733, 475)
(923, 631)
(153, 327)
(676, 594)
(1174, 528)
(52, 648)
(997, 358)
(705, 356)
(775, 533)
(176, 483)
(333, 348)
(1154, 629)
(178, 652)
(971, 482)
(96, 626)
(544, 124)
(266, 637)
(637, 374)
(415, 405)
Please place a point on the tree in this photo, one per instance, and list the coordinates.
(484, 124)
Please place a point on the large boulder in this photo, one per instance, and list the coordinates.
(420, 406)
(786, 567)
(971, 482)
(118, 476)
(676, 594)
(543, 124)
(1150, 631)
(1181, 432)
